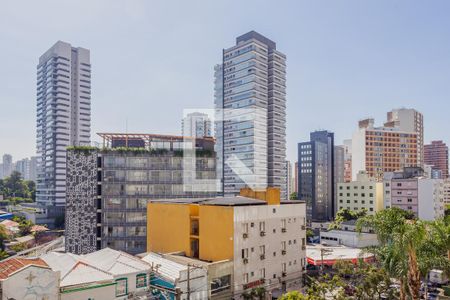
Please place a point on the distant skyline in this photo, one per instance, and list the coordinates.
(346, 60)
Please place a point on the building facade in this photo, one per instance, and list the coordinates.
(347, 160)
(250, 98)
(362, 194)
(339, 170)
(63, 116)
(410, 191)
(7, 165)
(108, 190)
(316, 176)
(197, 125)
(289, 179)
(377, 150)
(436, 155)
(265, 238)
(409, 120)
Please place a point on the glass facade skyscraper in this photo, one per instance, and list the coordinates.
(316, 176)
(250, 98)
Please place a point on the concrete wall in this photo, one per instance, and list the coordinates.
(32, 283)
(106, 292)
(348, 238)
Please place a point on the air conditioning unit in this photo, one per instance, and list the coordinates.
(283, 230)
(283, 252)
(245, 261)
(262, 233)
(262, 257)
(245, 235)
(284, 274)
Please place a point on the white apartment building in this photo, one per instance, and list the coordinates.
(363, 193)
(269, 246)
(250, 97)
(431, 199)
(447, 192)
(196, 124)
(63, 116)
(411, 191)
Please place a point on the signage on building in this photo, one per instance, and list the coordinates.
(253, 284)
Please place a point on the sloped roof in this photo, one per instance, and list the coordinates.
(9, 223)
(9, 266)
(83, 273)
(37, 228)
(167, 268)
(116, 262)
(74, 269)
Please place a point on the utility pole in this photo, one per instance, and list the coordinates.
(188, 281)
(177, 293)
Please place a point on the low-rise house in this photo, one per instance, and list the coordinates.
(11, 227)
(208, 280)
(24, 278)
(131, 274)
(79, 279)
(170, 276)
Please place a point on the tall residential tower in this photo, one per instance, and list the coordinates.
(196, 124)
(63, 116)
(250, 98)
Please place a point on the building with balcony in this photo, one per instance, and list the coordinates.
(250, 100)
(264, 237)
(63, 117)
(196, 124)
(108, 189)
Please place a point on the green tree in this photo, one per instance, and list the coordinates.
(293, 196)
(3, 237)
(406, 249)
(294, 295)
(345, 214)
(25, 227)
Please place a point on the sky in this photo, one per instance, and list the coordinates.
(346, 60)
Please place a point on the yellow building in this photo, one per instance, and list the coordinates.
(263, 237)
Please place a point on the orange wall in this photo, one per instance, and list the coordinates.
(168, 228)
(216, 232)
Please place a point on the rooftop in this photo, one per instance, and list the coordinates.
(116, 262)
(222, 201)
(10, 266)
(332, 254)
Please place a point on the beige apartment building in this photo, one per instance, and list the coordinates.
(363, 193)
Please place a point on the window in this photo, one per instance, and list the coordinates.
(262, 273)
(245, 253)
(262, 226)
(141, 280)
(262, 249)
(121, 287)
(246, 278)
(220, 284)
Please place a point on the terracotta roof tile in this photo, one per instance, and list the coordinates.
(9, 266)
